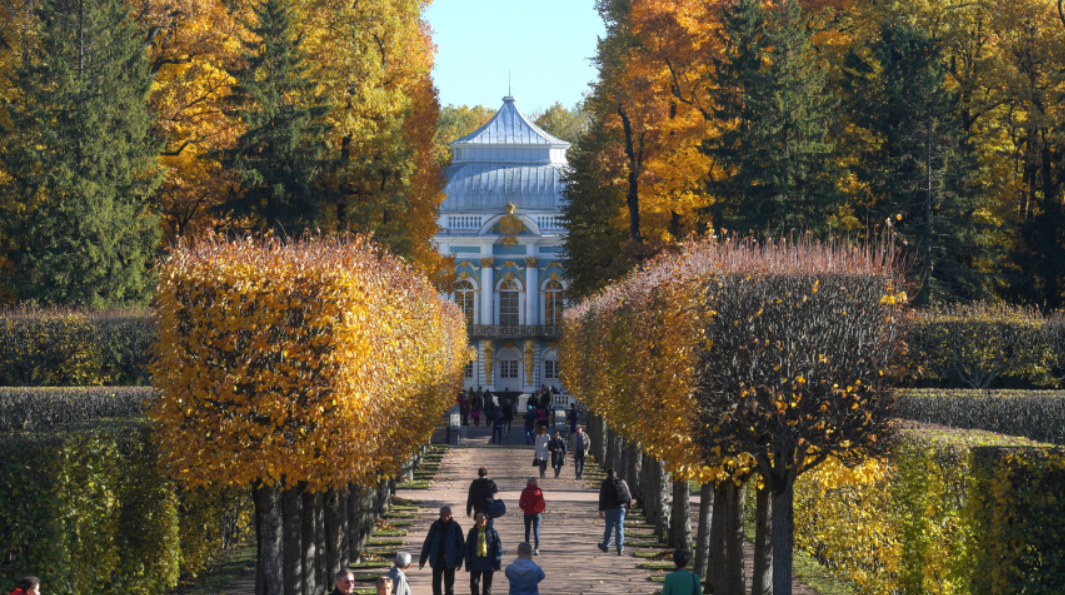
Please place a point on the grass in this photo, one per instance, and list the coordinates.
(414, 485)
(372, 564)
(215, 580)
(810, 571)
(402, 508)
(656, 565)
(389, 533)
(654, 554)
(654, 544)
(399, 524)
(398, 515)
(400, 501)
(372, 542)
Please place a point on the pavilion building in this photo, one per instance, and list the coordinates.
(501, 220)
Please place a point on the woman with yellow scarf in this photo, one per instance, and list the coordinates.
(484, 555)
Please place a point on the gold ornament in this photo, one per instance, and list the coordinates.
(488, 363)
(487, 261)
(530, 352)
(509, 226)
(531, 261)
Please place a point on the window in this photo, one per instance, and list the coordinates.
(550, 369)
(508, 368)
(469, 370)
(553, 303)
(464, 292)
(508, 304)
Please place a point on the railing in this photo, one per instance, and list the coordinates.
(464, 222)
(549, 222)
(525, 331)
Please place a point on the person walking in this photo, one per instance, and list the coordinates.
(464, 408)
(682, 581)
(497, 426)
(574, 416)
(541, 415)
(507, 405)
(541, 449)
(533, 505)
(614, 500)
(343, 581)
(443, 548)
(557, 447)
(482, 492)
(476, 404)
(484, 555)
(524, 574)
(398, 574)
(581, 445)
(384, 585)
(530, 424)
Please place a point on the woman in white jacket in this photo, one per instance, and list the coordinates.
(542, 452)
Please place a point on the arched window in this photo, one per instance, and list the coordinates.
(553, 303)
(464, 293)
(508, 303)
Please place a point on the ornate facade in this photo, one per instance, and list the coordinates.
(501, 221)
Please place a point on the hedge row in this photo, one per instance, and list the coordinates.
(965, 513)
(35, 407)
(61, 348)
(87, 509)
(1039, 415)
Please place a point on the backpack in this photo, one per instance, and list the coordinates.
(621, 493)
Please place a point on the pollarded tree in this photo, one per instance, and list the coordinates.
(805, 346)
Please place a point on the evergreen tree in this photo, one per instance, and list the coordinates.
(593, 254)
(279, 155)
(918, 165)
(769, 94)
(81, 159)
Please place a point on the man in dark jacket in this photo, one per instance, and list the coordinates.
(482, 493)
(444, 548)
(614, 500)
(484, 555)
(557, 447)
(345, 582)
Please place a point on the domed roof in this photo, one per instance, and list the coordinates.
(509, 127)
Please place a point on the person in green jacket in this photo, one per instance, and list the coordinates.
(682, 581)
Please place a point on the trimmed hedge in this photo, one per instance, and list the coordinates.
(28, 408)
(74, 348)
(1038, 415)
(964, 513)
(84, 504)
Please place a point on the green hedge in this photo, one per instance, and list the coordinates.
(1039, 415)
(61, 348)
(958, 512)
(85, 508)
(28, 408)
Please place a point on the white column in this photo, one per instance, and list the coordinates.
(532, 291)
(487, 291)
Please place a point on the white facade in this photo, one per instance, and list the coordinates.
(502, 223)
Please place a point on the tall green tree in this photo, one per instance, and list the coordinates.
(595, 246)
(563, 122)
(279, 156)
(81, 159)
(768, 93)
(916, 164)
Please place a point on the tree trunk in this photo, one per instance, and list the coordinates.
(599, 440)
(662, 489)
(271, 567)
(783, 538)
(718, 527)
(762, 581)
(680, 529)
(649, 489)
(354, 512)
(384, 499)
(632, 471)
(702, 538)
(334, 532)
(635, 158)
(611, 451)
(311, 513)
(735, 574)
(291, 500)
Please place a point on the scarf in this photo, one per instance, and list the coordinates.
(482, 542)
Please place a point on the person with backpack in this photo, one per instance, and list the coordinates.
(497, 426)
(533, 505)
(482, 493)
(530, 424)
(614, 500)
(682, 581)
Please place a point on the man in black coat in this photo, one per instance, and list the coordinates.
(345, 582)
(482, 493)
(444, 548)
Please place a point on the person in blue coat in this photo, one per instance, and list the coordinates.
(524, 574)
(444, 548)
(484, 555)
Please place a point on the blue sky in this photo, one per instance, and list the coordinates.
(545, 44)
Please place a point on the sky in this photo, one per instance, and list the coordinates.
(544, 44)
